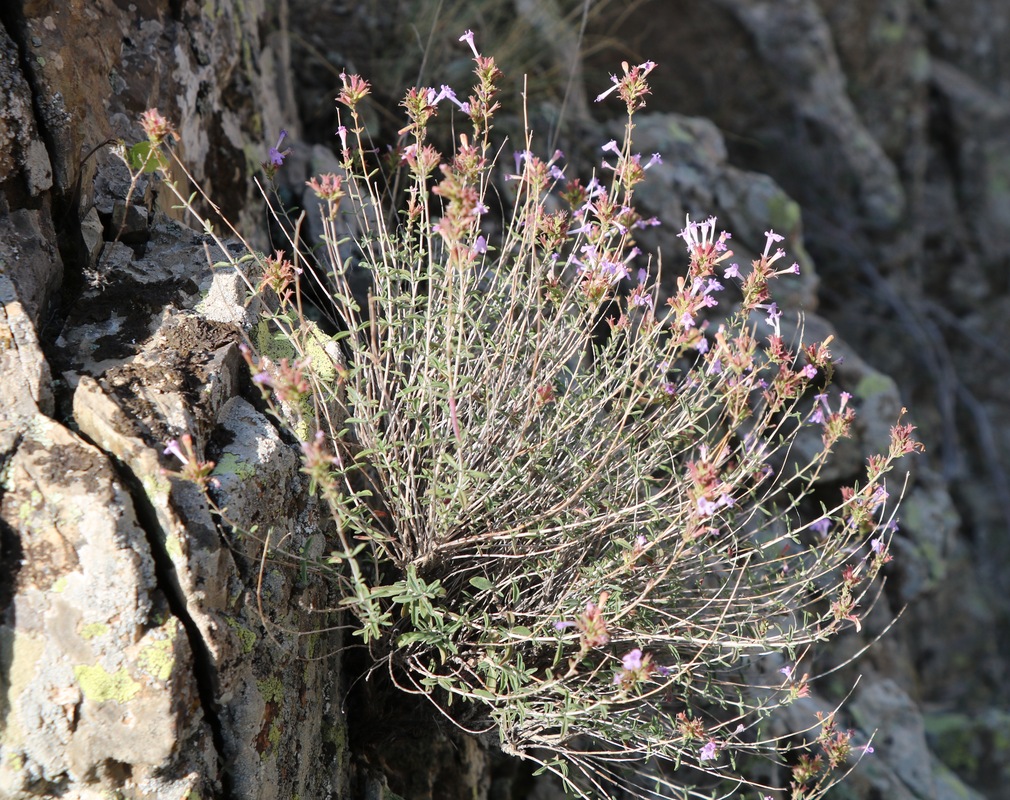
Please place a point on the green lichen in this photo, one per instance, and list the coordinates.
(173, 546)
(19, 656)
(678, 132)
(16, 761)
(274, 736)
(950, 785)
(275, 346)
(99, 685)
(230, 464)
(39, 429)
(335, 736)
(998, 179)
(887, 32)
(245, 636)
(874, 383)
(94, 630)
(158, 658)
(60, 585)
(784, 213)
(919, 64)
(156, 486)
(272, 689)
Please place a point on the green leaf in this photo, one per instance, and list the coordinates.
(481, 583)
(144, 158)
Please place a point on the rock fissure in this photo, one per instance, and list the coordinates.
(204, 671)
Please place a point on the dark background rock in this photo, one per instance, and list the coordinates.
(133, 654)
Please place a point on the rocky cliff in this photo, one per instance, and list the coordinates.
(149, 650)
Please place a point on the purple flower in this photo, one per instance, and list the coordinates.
(809, 372)
(651, 222)
(821, 526)
(708, 751)
(732, 271)
(698, 235)
(611, 147)
(560, 626)
(640, 298)
(633, 660)
(480, 246)
(771, 238)
(879, 497)
(172, 449)
(447, 93)
(613, 79)
(276, 155)
(468, 38)
(877, 545)
(706, 508)
(787, 671)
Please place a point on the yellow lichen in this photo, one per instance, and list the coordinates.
(272, 689)
(245, 636)
(94, 630)
(98, 685)
(158, 658)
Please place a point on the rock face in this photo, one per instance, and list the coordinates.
(147, 646)
(135, 658)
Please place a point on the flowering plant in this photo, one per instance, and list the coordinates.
(567, 512)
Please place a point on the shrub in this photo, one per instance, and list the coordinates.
(568, 512)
